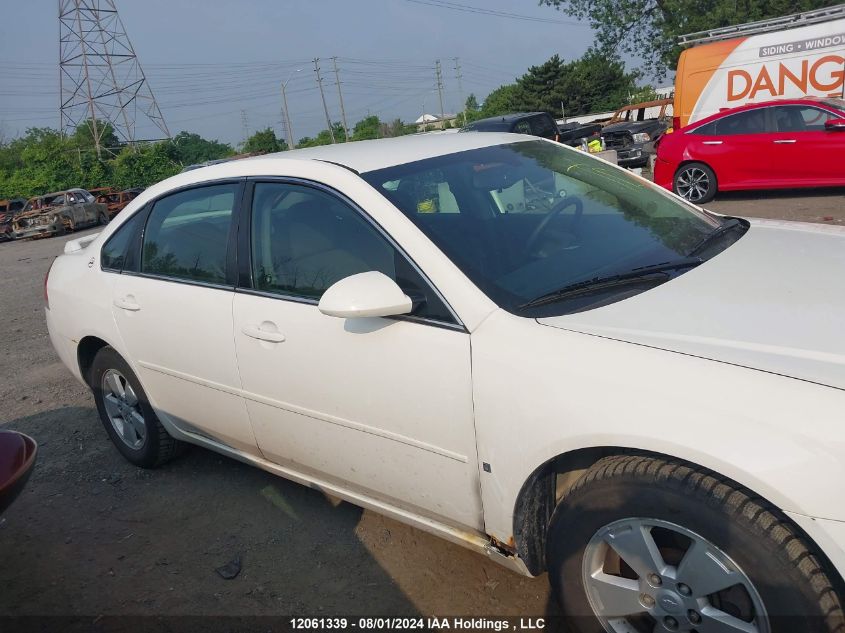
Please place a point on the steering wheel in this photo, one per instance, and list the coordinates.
(555, 211)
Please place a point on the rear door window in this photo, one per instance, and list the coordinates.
(187, 234)
(748, 122)
(543, 126)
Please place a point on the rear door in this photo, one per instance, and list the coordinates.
(733, 147)
(173, 309)
(803, 152)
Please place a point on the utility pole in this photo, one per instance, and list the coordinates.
(323, 97)
(244, 126)
(286, 120)
(340, 97)
(285, 106)
(459, 76)
(440, 92)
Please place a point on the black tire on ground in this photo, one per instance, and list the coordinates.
(798, 588)
(701, 176)
(102, 219)
(158, 447)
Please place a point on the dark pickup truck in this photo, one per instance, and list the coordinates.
(533, 123)
(632, 130)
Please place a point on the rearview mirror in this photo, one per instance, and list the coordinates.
(370, 294)
(833, 125)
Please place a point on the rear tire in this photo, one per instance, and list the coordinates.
(126, 413)
(102, 220)
(695, 182)
(601, 561)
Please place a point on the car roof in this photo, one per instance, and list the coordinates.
(809, 100)
(364, 156)
(504, 118)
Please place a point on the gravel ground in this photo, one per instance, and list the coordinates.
(93, 536)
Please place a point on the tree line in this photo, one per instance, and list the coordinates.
(43, 160)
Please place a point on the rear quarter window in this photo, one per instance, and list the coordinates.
(114, 252)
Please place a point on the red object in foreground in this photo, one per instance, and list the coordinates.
(17, 458)
(772, 145)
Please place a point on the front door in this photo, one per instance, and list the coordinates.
(174, 313)
(381, 406)
(804, 153)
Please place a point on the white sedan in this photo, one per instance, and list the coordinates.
(504, 342)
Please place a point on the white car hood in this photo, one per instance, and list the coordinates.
(773, 301)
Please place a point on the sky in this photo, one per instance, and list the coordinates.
(216, 66)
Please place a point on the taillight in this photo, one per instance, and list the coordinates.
(46, 277)
(676, 123)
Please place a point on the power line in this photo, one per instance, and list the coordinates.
(444, 4)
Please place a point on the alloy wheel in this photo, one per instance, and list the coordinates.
(123, 409)
(693, 184)
(643, 575)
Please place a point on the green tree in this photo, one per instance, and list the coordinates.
(500, 101)
(367, 128)
(323, 138)
(265, 142)
(593, 83)
(191, 148)
(145, 165)
(649, 29)
(471, 104)
(83, 136)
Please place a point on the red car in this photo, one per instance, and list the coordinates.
(769, 145)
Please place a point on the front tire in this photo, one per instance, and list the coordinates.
(126, 413)
(695, 182)
(645, 544)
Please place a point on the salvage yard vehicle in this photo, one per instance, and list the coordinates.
(115, 201)
(633, 128)
(791, 56)
(8, 210)
(58, 213)
(640, 397)
(770, 145)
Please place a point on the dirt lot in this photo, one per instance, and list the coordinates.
(93, 536)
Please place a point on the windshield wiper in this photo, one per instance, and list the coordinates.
(728, 225)
(655, 272)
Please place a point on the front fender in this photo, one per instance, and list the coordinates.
(541, 392)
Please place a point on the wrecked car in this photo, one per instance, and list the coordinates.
(8, 210)
(115, 201)
(57, 213)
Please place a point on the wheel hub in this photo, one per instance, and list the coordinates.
(644, 575)
(123, 409)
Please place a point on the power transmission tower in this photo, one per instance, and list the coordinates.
(340, 97)
(440, 92)
(101, 82)
(323, 97)
(459, 76)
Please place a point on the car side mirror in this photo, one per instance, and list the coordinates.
(370, 294)
(835, 125)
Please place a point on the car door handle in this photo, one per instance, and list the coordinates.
(253, 331)
(711, 142)
(127, 303)
(786, 140)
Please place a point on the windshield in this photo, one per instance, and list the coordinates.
(839, 104)
(525, 219)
